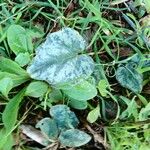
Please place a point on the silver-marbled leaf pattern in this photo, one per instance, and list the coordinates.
(74, 138)
(57, 60)
(64, 117)
(129, 78)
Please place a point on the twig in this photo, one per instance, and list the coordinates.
(97, 138)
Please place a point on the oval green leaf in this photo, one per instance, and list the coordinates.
(78, 104)
(93, 115)
(36, 89)
(18, 39)
(6, 84)
(82, 91)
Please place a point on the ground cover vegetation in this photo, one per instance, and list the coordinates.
(74, 74)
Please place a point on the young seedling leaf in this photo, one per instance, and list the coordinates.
(57, 60)
(82, 91)
(36, 89)
(102, 87)
(64, 118)
(23, 59)
(129, 78)
(6, 84)
(18, 39)
(74, 138)
(94, 114)
(48, 127)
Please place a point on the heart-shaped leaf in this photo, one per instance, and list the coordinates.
(82, 91)
(129, 78)
(49, 127)
(74, 138)
(64, 118)
(57, 60)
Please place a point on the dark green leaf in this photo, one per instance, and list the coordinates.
(49, 127)
(74, 138)
(129, 78)
(64, 118)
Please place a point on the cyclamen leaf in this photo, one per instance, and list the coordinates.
(18, 39)
(64, 118)
(36, 89)
(129, 78)
(6, 84)
(57, 60)
(74, 138)
(49, 127)
(82, 91)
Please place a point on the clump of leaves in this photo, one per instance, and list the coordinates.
(60, 62)
(62, 127)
